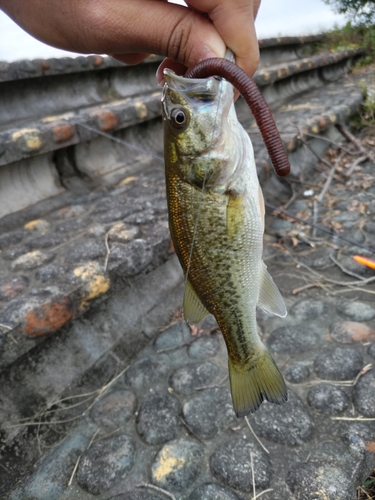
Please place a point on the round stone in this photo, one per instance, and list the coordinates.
(48, 273)
(369, 227)
(288, 424)
(364, 395)
(88, 250)
(338, 363)
(347, 332)
(356, 311)
(188, 379)
(140, 494)
(173, 337)
(106, 461)
(204, 347)
(146, 372)
(328, 399)
(371, 351)
(157, 421)
(298, 373)
(178, 464)
(281, 226)
(353, 432)
(115, 409)
(231, 465)
(309, 309)
(292, 339)
(210, 412)
(47, 241)
(332, 483)
(15, 252)
(12, 286)
(31, 260)
(11, 238)
(212, 491)
(318, 259)
(347, 217)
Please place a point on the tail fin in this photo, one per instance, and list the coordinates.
(255, 382)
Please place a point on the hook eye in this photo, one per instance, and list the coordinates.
(178, 118)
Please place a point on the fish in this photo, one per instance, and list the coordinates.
(216, 220)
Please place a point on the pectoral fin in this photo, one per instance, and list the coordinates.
(270, 299)
(194, 310)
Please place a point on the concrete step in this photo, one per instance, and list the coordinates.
(50, 120)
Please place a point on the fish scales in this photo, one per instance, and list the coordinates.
(216, 219)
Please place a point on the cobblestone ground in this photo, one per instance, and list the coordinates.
(163, 425)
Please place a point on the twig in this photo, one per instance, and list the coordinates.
(256, 437)
(107, 249)
(74, 470)
(252, 475)
(354, 419)
(7, 327)
(354, 165)
(156, 488)
(322, 138)
(344, 270)
(262, 493)
(330, 177)
(354, 140)
(305, 287)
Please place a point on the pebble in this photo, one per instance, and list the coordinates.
(356, 311)
(12, 286)
(31, 260)
(47, 241)
(49, 272)
(73, 225)
(293, 339)
(309, 309)
(338, 363)
(212, 491)
(15, 252)
(364, 395)
(318, 259)
(230, 464)
(281, 226)
(188, 379)
(134, 257)
(173, 337)
(157, 420)
(371, 208)
(369, 227)
(204, 347)
(296, 374)
(146, 216)
(121, 233)
(305, 480)
(53, 472)
(106, 461)
(178, 464)
(87, 250)
(289, 423)
(210, 412)
(145, 372)
(351, 432)
(347, 332)
(328, 399)
(114, 214)
(371, 351)
(141, 494)
(347, 217)
(11, 238)
(115, 409)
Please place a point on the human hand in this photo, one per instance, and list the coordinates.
(130, 30)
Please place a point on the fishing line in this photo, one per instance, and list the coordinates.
(268, 205)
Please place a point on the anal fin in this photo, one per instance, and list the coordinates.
(270, 299)
(194, 310)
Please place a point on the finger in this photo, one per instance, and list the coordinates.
(234, 22)
(178, 68)
(130, 58)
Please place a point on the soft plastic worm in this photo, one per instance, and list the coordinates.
(254, 99)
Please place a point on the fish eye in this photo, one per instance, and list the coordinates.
(178, 118)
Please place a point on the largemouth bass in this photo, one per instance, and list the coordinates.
(216, 220)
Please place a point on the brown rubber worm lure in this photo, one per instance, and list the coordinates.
(254, 99)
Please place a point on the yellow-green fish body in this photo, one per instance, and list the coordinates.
(216, 219)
